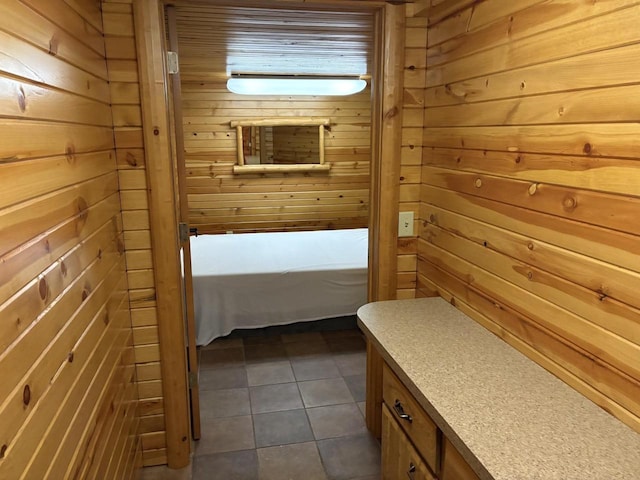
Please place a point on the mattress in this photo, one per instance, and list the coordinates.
(254, 280)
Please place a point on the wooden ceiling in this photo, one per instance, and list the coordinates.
(217, 40)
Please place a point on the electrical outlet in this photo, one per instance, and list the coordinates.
(405, 224)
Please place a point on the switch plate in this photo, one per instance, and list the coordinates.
(405, 224)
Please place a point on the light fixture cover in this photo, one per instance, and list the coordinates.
(275, 85)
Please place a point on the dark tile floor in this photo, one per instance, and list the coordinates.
(282, 406)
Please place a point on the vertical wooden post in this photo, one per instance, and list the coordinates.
(149, 29)
(385, 182)
(387, 147)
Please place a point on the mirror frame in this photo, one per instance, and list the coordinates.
(241, 167)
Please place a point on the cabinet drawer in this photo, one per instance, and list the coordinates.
(399, 459)
(454, 467)
(411, 417)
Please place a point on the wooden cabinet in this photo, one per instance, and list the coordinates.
(399, 458)
(412, 445)
(454, 467)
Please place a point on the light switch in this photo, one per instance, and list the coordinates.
(405, 224)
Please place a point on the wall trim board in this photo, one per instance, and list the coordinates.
(149, 24)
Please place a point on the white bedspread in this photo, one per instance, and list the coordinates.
(253, 280)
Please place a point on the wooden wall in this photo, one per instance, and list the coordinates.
(127, 118)
(411, 155)
(530, 183)
(68, 395)
(220, 201)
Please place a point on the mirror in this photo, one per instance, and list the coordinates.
(280, 145)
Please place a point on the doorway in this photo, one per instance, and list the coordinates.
(386, 96)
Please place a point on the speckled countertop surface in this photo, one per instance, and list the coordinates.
(510, 418)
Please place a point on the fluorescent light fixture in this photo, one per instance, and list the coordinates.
(292, 85)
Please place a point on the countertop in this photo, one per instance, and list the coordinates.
(508, 417)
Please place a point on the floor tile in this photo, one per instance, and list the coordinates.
(165, 473)
(221, 378)
(330, 335)
(225, 435)
(317, 393)
(363, 408)
(306, 349)
(268, 373)
(275, 398)
(224, 403)
(351, 363)
(302, 337)
(314, 367)
(336, 421)
(357, 386)
(291, 462)
(225, 357)
(350, 457)
(224, 342)
(242, 465)
(265, 353)
(347, 344)
(262, 340)
(281, 428)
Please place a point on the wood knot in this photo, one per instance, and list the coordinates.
(485, 244)
(70, 153)
(106, 318)
(26, 395)
(530, 246)
(63, 269)
(432, 218)
(3, 450)
(43, 288)
(588, 148)
(85, 293)
(533, 188)
(530, 275)
(412, 67)
(518, 159)
(130, 158)
(83, 210)
(569, 203)
(523, 85)
(156, 131)
(53, 45)
(100, 254)
(70, 357)
(391, 113)
(478, 183)
(22, 99)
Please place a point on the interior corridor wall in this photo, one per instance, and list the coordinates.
(68, 397)
(531, 183)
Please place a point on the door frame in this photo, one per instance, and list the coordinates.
(384, 193)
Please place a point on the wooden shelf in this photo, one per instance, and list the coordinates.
(240, 169)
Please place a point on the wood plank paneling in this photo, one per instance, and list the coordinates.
(210, 143)
(122, 66)
(411, 152)
(68, 392)
(210, 146)
(529, 185)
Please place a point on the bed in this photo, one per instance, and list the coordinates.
(254, 280)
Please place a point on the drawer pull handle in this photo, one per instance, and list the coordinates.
(400, 411)
(411, 471)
